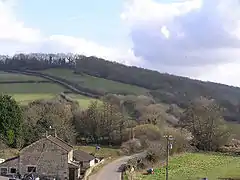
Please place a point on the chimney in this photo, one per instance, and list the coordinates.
(55, 132)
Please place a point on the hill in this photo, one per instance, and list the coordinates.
(96, 83)
(26, 88)
(166, 88)
(102, 76)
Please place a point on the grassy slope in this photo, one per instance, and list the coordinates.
(105, 152)
(95, 82)
(4, 76)
(195, 166)
(27, 92)
(235, 129)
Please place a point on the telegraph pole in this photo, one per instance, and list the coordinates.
(168, 138)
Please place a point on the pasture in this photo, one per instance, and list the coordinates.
(25, 98)
(27, 92)
(4, 76)
(95, 82)
(193, 166)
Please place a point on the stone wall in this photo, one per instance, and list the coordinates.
(89, 170)
(50, 160)
(13, 163)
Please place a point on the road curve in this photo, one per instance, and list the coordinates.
(110, 171)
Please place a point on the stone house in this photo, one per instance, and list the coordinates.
(49, 157)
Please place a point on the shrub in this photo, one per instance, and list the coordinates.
(181, 142)
(131, 146)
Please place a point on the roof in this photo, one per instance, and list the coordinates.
(73, 165)
(10, 159)
(60, 143)
(79, 155)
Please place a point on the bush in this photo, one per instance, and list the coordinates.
(131, 146)
(181, 142)
(147, 132)
(233, 146)
(156, 151)
(137, 163)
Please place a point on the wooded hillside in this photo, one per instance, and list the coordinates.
(165, 88)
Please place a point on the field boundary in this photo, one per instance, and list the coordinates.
(57, 80)
(25, 82)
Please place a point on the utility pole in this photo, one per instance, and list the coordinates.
(123, 110)
(169, 146)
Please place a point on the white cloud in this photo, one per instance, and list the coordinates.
(12, 29)
(66, 44)
(16, 37)
(199, 32)
(197, 38)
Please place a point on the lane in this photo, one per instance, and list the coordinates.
(111, 170)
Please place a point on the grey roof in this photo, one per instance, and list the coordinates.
(79, 155)
(10, 159)
(60, 143)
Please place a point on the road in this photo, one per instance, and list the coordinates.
(110, 171)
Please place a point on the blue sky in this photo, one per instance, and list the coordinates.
(194, 38)
(92, 19)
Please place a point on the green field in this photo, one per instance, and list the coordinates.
(27, 92)
(234, 128)
(95, 83)
(4, 76)
(105, 152)
(194, 166)
(31, 88)
(26, 98)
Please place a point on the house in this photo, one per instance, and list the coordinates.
(49, 157)
(4, 178)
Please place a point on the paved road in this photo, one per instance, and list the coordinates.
(110, 171)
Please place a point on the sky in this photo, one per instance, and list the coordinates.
(194, 38)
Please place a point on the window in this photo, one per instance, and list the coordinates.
(13, 170)
(31, 169)
(4, 171)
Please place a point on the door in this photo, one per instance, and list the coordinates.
(71, 174)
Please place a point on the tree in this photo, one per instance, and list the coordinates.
(203, 118)
(41, 114)
(153, 114)
(88, 123)
(11, 119)
(101, 123)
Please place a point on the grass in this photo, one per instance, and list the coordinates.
(4, 76)
(193, 166)
(105, 152)
(24, 99)
(235, 129)
(83, 101)
(28, 92)
(31, 88)
(95, 82)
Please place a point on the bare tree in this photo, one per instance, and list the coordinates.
(203, 118)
